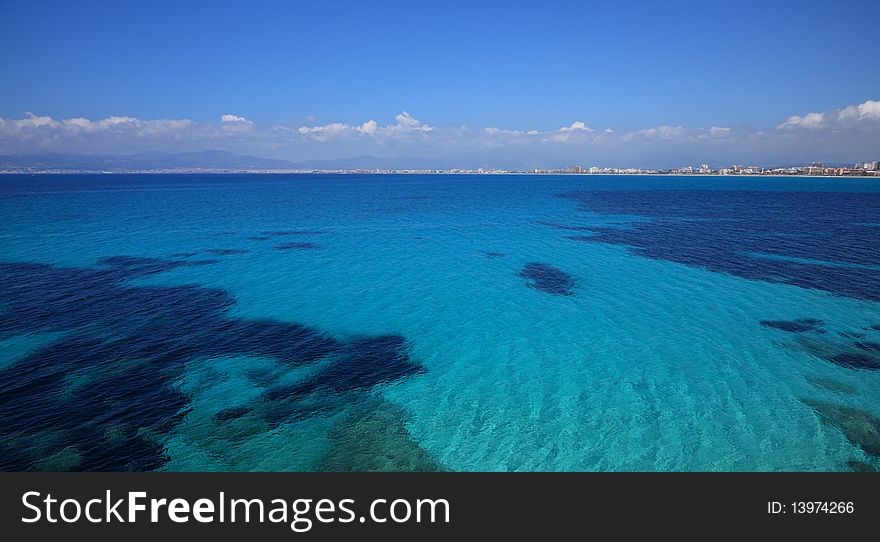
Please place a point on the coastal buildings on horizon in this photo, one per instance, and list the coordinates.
(869, 168)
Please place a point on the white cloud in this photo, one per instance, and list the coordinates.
(162, 125)
(869, 110)
(809, 121)
(34, 124)
(368, 127)
(865, 114)
(235, 125)
(33, 121)
(866, 111)
(234, 119)
(117, 121)
(661, 132)
(850, 132)
(86, 125)
(576, 126)
(577, 131)
(79, 122)
(406, 125)
(501, 132)
(78, 134)
(327, 132)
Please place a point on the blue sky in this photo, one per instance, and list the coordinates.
(457, 67)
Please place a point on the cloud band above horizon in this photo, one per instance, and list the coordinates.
(849, 134)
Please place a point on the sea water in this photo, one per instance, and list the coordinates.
(427, 322)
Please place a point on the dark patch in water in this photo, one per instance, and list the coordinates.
(859, 427)
(851, 334)
(127, 398)
(267, 235)
(860, 466)
(364, 364)
(794, 326)
(292, 232)
(856, 360)
(369, 362)
(232, 413)
(869, 346)
(723, 230)
(566, 227)
(297, 246)
(545, 277)
(226, 251)
(832, 385)
(289, 343)
(132, 266)
(812, 345)
(838, 353)
(134, 261)
(489, 254)
(876, 327)
(375, 439)
(104, 396)
(183, 254)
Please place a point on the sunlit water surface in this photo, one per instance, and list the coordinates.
(256, 322)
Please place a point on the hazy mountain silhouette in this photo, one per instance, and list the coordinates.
(220, 160)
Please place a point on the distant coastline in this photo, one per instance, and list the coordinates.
(186, 171)
(221, 162)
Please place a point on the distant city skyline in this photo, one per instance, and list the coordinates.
(646, 86)
(225, 162)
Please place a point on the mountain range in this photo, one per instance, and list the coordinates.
(213, 160)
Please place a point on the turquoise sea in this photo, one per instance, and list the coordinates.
(467, 323)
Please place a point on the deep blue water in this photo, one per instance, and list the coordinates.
(235, 322)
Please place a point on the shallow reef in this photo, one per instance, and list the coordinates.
(771, 236)
(565, 227)
(366, 363)
(860, 466)
(292, 232)
(869, 346)
(271, 234)
(855, 360)
(859, 427)
(832, 385)
(375, 438)
(545, 277)
(851, 355)
(226, 251)
(231, 413)
(103, 396)
(795, 326)
(294, 245)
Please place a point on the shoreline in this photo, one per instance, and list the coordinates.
(439, 173)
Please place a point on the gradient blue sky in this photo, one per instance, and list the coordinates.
(540, 66)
